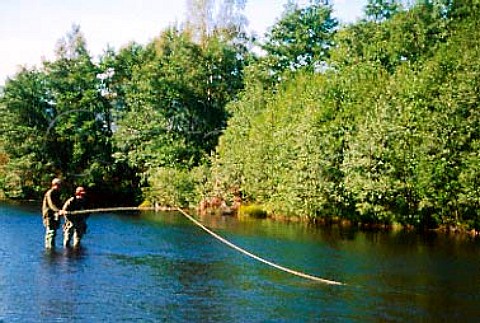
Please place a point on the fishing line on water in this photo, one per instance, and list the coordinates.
(221, 239)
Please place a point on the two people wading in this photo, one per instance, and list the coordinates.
(75, 225)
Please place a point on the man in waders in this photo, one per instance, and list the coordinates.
(75, 224)
(51, 211)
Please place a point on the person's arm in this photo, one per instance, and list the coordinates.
(67, 207)
(50, 203)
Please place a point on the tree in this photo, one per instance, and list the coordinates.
(81, 116)
(380, 10)
(302, 38)
(405, 38)
(208, 17)
(387, 134)
(62, 122)
(117, 72)
(25, 115)
(177, 99)
(231, 16)
(200, 18)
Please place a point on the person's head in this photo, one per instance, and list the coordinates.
(80, 192)
(56, 183)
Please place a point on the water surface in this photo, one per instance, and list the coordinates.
(161, 267)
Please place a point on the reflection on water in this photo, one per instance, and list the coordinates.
(160, 267)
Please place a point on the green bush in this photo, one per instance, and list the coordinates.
(171, 187)
(253, 211)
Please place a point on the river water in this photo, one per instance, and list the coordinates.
(157, 267)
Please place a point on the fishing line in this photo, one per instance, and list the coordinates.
(221, 239)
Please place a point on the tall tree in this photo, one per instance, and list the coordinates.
(82, 118)
(25, 116)
(231, 16)
(200, 18)
(206, 18)
(302, 38)
(62, 122)
(177, 100)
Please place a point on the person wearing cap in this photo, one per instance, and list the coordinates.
(51, 211)
(75, 224)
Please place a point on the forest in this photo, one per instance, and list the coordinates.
(372, 122)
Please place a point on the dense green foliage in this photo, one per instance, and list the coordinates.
(376, 122)
(117, 126)
(56, 122)
(388, 133)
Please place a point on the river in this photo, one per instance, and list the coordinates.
(160, 267)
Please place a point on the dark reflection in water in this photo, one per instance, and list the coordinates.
(160, 267)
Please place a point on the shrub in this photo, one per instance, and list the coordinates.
(171, 187)
(253, 211)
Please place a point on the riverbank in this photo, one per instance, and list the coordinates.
(256, 211)
(448, 230)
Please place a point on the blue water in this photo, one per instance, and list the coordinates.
(155, 267)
